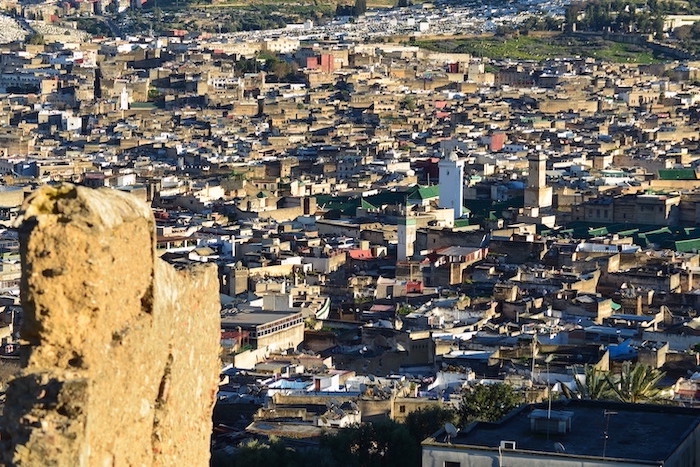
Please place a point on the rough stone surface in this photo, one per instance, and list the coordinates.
(122, 360)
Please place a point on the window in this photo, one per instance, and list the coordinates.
(402, 409)
(452, 464)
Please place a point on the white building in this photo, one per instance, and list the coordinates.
(406, 234)
(451, 171)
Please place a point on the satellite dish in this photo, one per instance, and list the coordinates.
(451, 431)
(558, 447)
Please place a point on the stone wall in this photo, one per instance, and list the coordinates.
(121, 363)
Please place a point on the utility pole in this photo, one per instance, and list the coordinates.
(534, 349)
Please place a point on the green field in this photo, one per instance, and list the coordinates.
(540, 48)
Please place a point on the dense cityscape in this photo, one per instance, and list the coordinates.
(445, 233)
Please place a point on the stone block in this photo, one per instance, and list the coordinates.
(121, 363)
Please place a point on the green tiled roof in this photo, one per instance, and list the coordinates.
(627, 233)
(342, 204)
(425, 192)
(367, 205)
(685, 246)
(143, 106)
(677, 174)
(597, 232)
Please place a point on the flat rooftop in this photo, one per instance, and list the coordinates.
(254, 318)
(641, 432)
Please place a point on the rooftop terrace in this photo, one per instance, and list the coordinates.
(636, 432)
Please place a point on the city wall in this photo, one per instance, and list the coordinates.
(121, 349)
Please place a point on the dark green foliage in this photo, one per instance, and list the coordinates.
(595, 387)
(36, 39)
(540, 23)
(166, 14)
(278, 70)
(256, 454)
(246, 65)
(618, 16)
(424, 422)
(689, 37)
(408, 103)
(634, 383)
(529, 47)
(359, 8)
(93, 26)
(381, 444)
(487, 403)
(345, 10)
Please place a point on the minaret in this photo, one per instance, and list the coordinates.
(537, 193)
(451, 170)
(124, 99)
(406, 234)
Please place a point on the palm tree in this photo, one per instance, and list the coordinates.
(595, 387)
(636, 383)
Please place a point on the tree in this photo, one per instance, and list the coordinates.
(408, 103)
(695, 31)
(683, 33)
(659, 27)
(257, 454)
(360, 7)
(424, 422)
(487, 402)
(380, 444)
(36, 39)
(344, 10)
(595, 386)
(636, 383)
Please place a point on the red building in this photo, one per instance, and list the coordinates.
(498, 140)
(323, 62)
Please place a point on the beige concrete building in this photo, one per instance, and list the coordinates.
(268, 329)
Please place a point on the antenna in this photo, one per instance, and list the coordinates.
(451, 431)
(606, 414)
(549, 358)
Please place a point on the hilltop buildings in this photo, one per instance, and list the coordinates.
(390, 224)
